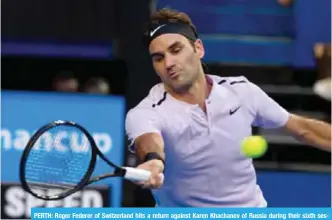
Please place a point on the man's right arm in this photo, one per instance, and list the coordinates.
(143, 127)
(149, 143)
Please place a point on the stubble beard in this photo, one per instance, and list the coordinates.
(183, 87)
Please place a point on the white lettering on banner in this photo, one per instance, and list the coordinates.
(15, 206)
(103, 141)
(91, 199)
(45, 140)
(19, 138)
(6, 139)
(19, 203)
(57, 141)
(76, 146)
(22, 138)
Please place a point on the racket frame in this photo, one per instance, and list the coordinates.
(85, 179)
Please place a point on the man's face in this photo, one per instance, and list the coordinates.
(176, 60)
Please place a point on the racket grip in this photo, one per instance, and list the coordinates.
(135, 174)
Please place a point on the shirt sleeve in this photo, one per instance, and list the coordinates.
(268, 113)
(139, 121)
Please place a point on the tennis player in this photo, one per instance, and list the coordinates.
(190, 126)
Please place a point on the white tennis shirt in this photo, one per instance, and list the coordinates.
(204, 166)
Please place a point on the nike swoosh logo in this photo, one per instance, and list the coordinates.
(154, 31)
(232, 111)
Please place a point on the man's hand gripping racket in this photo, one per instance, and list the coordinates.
(156, 180)
(60, 159)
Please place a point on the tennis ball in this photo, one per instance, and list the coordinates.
(254, 146)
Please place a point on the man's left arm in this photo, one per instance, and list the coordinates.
(269, 114)
(314, 132)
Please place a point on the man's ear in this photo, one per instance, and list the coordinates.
(199, 47)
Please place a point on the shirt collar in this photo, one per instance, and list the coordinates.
(218, 92)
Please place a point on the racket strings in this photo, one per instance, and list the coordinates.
(59, 159)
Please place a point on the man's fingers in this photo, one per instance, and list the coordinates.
(154, 182)
(156, 178)
(161, 177)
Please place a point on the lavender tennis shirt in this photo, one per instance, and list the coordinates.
(204, 164)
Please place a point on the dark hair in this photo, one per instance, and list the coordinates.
(168, 15)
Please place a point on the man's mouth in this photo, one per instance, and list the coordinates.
(174, 74)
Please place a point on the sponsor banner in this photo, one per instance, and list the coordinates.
(25, 112)
(17, 204)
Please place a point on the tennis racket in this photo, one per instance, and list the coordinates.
(60, 158)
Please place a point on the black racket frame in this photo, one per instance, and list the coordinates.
(86, 179)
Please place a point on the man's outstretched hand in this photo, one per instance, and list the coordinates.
(156, 167)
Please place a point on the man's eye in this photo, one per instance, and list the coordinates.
(176, 50)
(158, 58)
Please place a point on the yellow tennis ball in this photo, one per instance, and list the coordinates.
(254, 146)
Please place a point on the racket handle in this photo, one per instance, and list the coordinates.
(135, 174)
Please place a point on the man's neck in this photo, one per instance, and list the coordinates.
(197, 93)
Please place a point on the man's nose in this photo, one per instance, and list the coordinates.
(169, 61)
